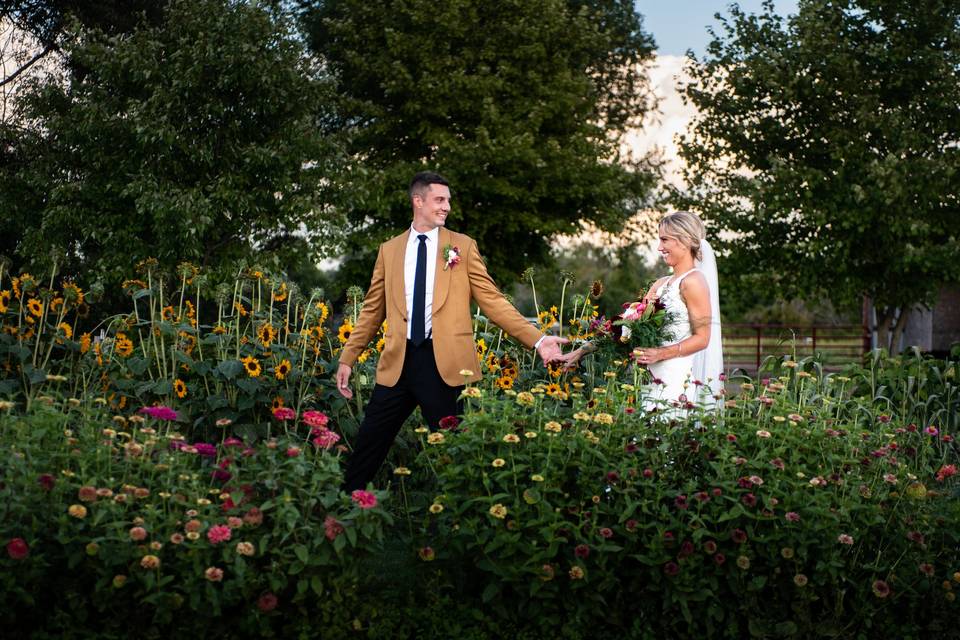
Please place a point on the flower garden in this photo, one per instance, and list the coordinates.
(175, 469)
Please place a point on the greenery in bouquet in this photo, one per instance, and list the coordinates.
(642, 324)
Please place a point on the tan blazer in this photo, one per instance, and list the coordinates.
(453, 289)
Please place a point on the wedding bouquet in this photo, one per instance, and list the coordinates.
(640, 325)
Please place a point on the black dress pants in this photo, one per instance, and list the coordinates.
(420, 385)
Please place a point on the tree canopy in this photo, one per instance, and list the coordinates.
(520, 104)
(826, 146)
(199, 138)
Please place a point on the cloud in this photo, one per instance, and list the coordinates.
(660, 129)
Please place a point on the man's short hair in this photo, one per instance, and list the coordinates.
(422, 181)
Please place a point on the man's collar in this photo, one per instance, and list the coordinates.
(432, 235)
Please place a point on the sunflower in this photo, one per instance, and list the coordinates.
(363, 356)
(266, 334)
(251, 365)
(180, 388)
(383, 328)
(546, 320)
(84, 342)
(99, 353)
(282, 370)
(504, 382)
(123, 346)
(191, 312)
(345, 330)
(168, 313)
(55, 304)
(554, 390)
(324, 312)
(493, 362)
(189, 342)
(381, 343)
(73, 294)
(130, 287)
(555, 369)
(67, 330)
(317, 332)
(35, 307)
(240, 308)
(481, 348)
(4, 300)
(277, 403)
(281, 293)
(219, 330)
(16, 288)
(596, 289)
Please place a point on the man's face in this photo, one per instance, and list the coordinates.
(431, 209)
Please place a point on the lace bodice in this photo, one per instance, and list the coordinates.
(669, 295)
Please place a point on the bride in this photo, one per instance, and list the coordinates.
(690, 367)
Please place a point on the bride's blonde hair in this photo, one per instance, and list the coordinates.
(687, 228)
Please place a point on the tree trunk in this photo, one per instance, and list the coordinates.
(891, 322)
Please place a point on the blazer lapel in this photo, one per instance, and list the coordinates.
(441, 281)
(398, 293)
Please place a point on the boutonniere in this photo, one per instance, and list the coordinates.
(451, 256)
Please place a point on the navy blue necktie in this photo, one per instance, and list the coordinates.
(419, 329)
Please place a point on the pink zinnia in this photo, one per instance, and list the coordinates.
(671, 569)
(931, 431)
(792, 516)
(325, 438)
(844, 538)
(219, 533)
(606, 532)
(582, 551)
(881, 589)
(160, 413)
(946, 471)
(364, 499)
(284, 413)
(315, 418)
(738, 535)
(332, 527)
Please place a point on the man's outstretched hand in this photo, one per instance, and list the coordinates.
(549, 348)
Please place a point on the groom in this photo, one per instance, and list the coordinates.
(422, 284)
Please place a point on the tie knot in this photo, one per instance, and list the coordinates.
(422, 238)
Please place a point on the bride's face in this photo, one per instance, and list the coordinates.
(671, 249)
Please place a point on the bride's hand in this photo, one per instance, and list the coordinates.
(649, 355)
(571, 360)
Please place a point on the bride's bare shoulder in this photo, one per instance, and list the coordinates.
(695, 282)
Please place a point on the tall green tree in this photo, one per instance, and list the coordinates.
(828, 146)
(199, 138)
(521, 104)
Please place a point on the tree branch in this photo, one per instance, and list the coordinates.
(47, 49)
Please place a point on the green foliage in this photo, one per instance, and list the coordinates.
(519, 104)
(804, 505)
(822, 144)
(200, 138)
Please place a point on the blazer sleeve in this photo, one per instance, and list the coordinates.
(371, 316)
(493, 304)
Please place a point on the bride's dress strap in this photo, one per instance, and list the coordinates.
(684, 275)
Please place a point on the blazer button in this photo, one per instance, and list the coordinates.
(404, 319)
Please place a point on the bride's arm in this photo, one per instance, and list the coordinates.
(696, 296)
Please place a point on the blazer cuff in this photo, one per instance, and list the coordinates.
(537, 343)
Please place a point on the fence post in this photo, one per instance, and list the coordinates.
(759, 329)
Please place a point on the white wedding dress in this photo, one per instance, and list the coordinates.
(672, 378)
(696, 377)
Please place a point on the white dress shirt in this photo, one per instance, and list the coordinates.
(410, 275)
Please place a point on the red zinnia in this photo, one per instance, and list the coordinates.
(450, 422)
(18, 549)
(671, 569)
(582, 551)
(738, 535)
(267, 602)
